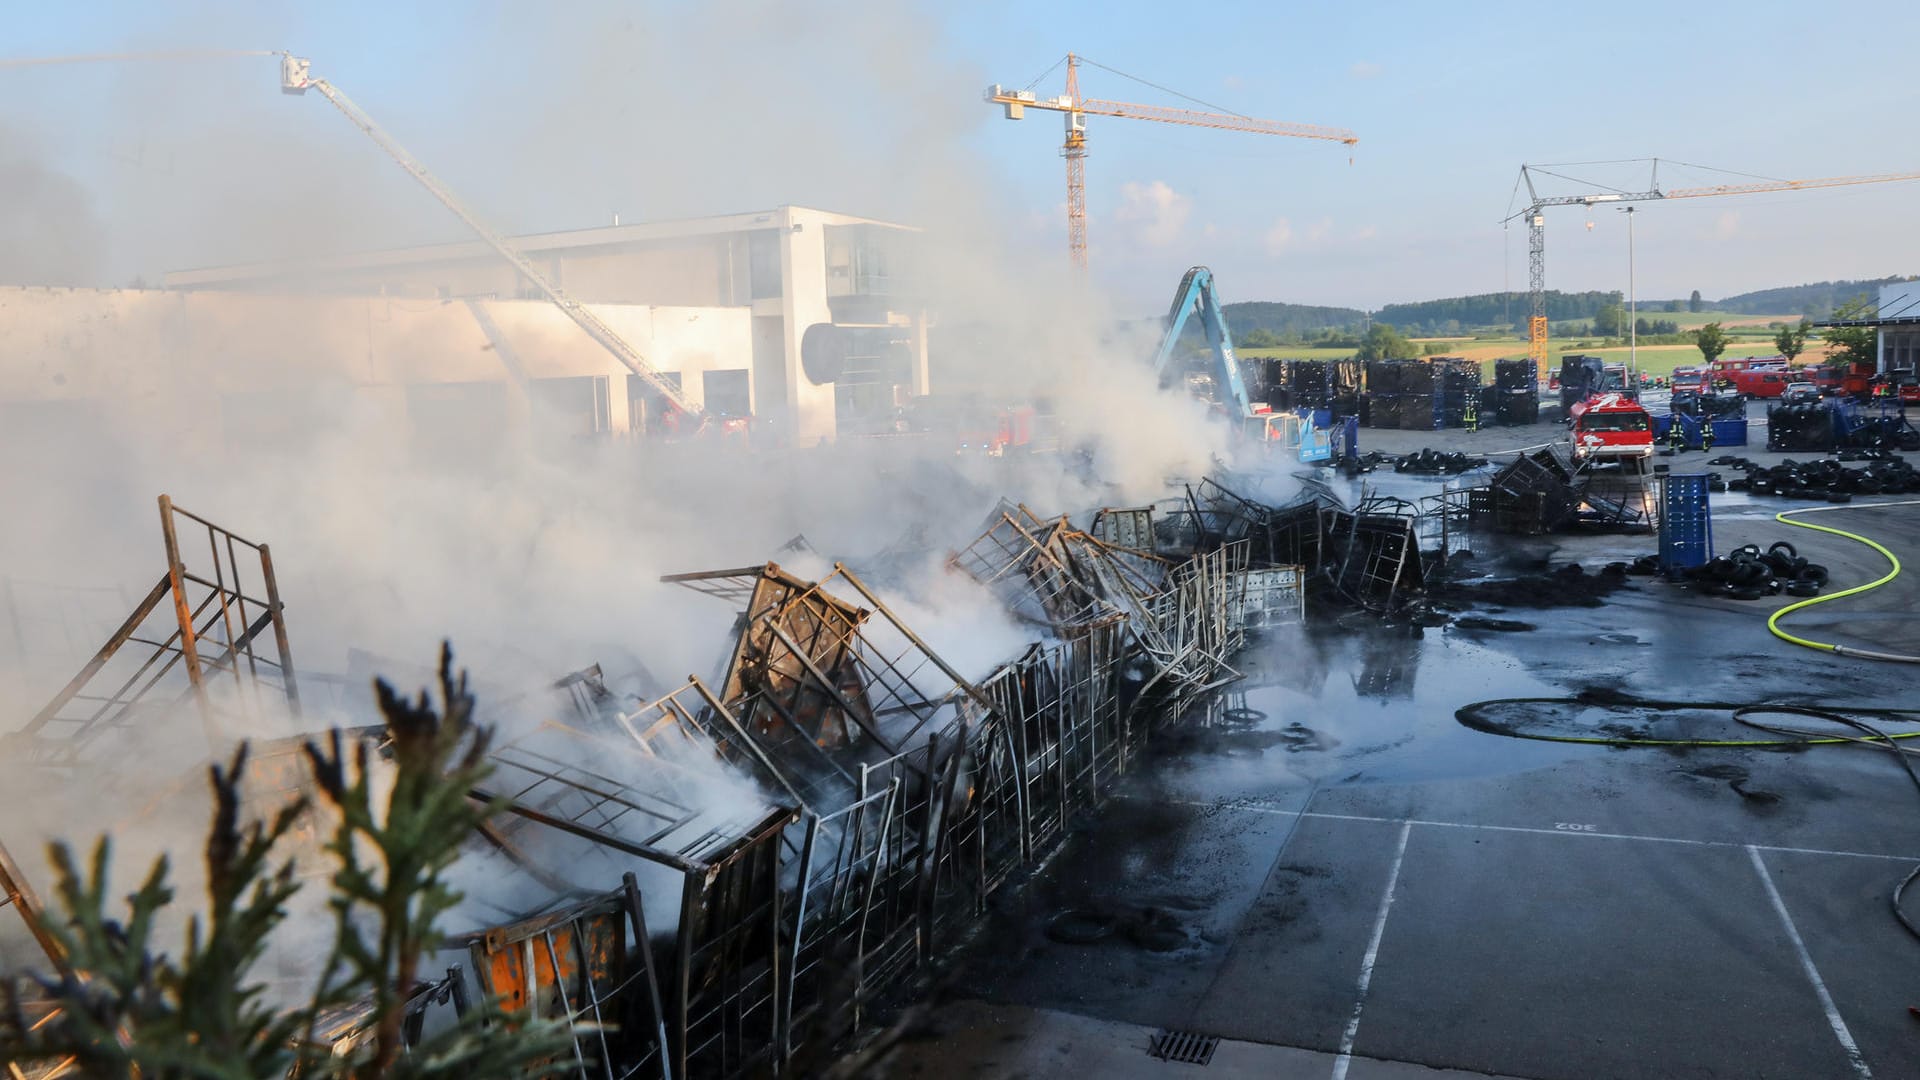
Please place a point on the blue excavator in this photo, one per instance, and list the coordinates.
(1251, 423)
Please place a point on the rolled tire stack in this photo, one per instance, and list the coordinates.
(1747, 573)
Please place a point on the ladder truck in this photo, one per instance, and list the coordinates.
(296, 77)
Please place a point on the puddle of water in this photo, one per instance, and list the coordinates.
(1373, 705)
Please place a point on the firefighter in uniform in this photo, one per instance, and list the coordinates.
(1471, 416)
(1676, 435)
(1706, 435)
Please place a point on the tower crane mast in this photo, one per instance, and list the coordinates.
(1537, 225)
(296, 77)
(1076, 109)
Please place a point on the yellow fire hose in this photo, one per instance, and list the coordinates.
(1893, 561)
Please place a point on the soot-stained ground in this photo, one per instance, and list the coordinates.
(1340, 879)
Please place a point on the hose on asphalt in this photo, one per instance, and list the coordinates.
(1476, 716)
(1893, 561)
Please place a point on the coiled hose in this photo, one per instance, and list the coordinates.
(1893, 561)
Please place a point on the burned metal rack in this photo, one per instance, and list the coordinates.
(1380, 558)
(219, 611)
(810, 667)
(592, 962)
(691, 722)
(1019, 555)
(339, 1031)
(562, 778)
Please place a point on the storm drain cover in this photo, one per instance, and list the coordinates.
(1188, 1047)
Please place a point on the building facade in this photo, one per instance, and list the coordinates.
(786, 271)
(1899, 326)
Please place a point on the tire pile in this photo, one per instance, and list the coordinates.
(1432, 461)
(1827, 479)
(1747, 573)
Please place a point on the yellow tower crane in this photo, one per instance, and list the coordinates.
(1537, 224)
(1077, 109)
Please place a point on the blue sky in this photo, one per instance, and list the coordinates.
(556, 116)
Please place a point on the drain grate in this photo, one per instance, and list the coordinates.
(1187, 1047)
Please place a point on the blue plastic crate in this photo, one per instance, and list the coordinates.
(1686, 522)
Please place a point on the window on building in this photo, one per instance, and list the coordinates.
(727, 392)
(644, 403)
(764, 280)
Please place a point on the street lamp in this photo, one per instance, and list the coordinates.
(1633, 306)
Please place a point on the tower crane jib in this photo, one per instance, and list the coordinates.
(1537, 225)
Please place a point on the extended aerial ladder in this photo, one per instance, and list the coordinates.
(1537, 225)
(296, 77)
(1077, 109)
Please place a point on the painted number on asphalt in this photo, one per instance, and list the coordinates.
(1569, 826)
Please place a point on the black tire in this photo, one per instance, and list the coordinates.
(1746, 592)
(1782, 545)
(1803, 588)
(1815, 573)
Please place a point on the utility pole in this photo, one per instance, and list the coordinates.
(1633, 305)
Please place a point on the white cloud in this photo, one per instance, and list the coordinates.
(1279, 236)
(1367, 232)
(1157, 213)
(1727, 225)
(1364, 69)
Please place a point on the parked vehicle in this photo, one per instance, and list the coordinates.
(1611, 427)
(1800, 393)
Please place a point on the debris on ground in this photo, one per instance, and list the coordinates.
(1434, 462)
(1827, 479)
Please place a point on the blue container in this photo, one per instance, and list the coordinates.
(1726, 432)
(1686, 522)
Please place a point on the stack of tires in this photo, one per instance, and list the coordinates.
(1747, 573)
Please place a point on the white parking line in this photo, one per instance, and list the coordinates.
(1258, 808)
(1806, 961)
(1345, 1060)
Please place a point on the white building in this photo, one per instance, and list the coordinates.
(239, 368)
(784, 270)
(1899, 325)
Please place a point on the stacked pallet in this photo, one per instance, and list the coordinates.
(1459, 383)
(1517, 385)
(1421, 400)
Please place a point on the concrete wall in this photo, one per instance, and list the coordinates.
(271, 353)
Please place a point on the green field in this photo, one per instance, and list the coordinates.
(1751, 339)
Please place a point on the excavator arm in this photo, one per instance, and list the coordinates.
(1197, 295)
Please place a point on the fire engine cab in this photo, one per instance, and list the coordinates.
(1611, 427)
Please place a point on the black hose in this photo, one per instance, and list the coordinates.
(1475, 716)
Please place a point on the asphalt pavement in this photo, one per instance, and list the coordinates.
(1363, 886)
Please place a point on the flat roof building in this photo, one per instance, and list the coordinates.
(791, 268)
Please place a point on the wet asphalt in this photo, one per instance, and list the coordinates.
(1361, 885)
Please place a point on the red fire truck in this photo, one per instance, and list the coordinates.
(1611, 427)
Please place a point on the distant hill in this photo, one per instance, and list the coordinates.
(1289, 320)
(1815, 301)
(1460, 313)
